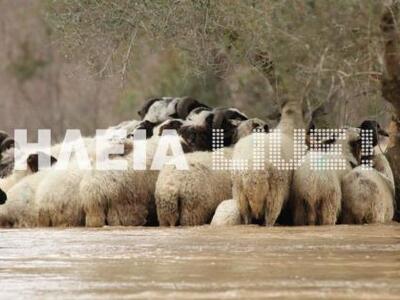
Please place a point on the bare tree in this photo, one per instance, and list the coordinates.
(391, 87)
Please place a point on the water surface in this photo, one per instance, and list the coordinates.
(248, 262)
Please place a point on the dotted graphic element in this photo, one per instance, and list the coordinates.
(258, 148)
(367, 148)
(299, 150)
(326, 150)
(218, 157)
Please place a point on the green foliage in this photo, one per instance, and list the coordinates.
(314, 46)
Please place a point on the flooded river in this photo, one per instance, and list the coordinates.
(344, 262)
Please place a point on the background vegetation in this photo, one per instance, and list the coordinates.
(90, 63)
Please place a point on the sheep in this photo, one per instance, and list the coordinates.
(190, 197)
(15, 176)
(368, 194)
(316, 193)
(6, 144)
(198, 127)
(227, 214)
(124, 197)
(47, 197)
(58, 202)
(20, 209)
(158, 110)
(262, 194)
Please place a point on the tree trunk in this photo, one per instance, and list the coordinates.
(391, 90)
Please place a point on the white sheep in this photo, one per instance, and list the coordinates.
(123, 197)
(15, 176)
(190, 197)
(227, 214)
(368, 195)
(58, 200)
(262, 193)
(316, 193)
(48, 197)
(20, 209)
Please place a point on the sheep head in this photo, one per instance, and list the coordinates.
(245, 128)
(186, 105)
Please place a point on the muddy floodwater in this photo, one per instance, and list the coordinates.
(244, 262)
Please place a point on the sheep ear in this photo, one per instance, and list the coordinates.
(146, 106)
(3, 136)
(7, 144)
(146, 125)
(218, 120)
(186, 105)
(3, 197)
(33, 161)
(329, 141)
(172, 125)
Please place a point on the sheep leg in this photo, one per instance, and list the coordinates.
(299, 213)
(193, 215)
(44, 218)
(311, 214)
(328, 213)
(168, 209)
(274, 202)
(95, 217)
(240, 197)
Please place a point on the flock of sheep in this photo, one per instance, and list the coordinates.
(201, 195)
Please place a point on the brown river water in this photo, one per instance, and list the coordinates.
(243, 262)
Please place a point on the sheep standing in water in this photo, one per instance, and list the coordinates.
(190, 197)
(20, 210)
(368, 195)
(316, 193)
(47, 197)
(261, 194)
(124, 197)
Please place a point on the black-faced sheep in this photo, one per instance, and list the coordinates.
(157, 110)
(368, 194)
(198, 128)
